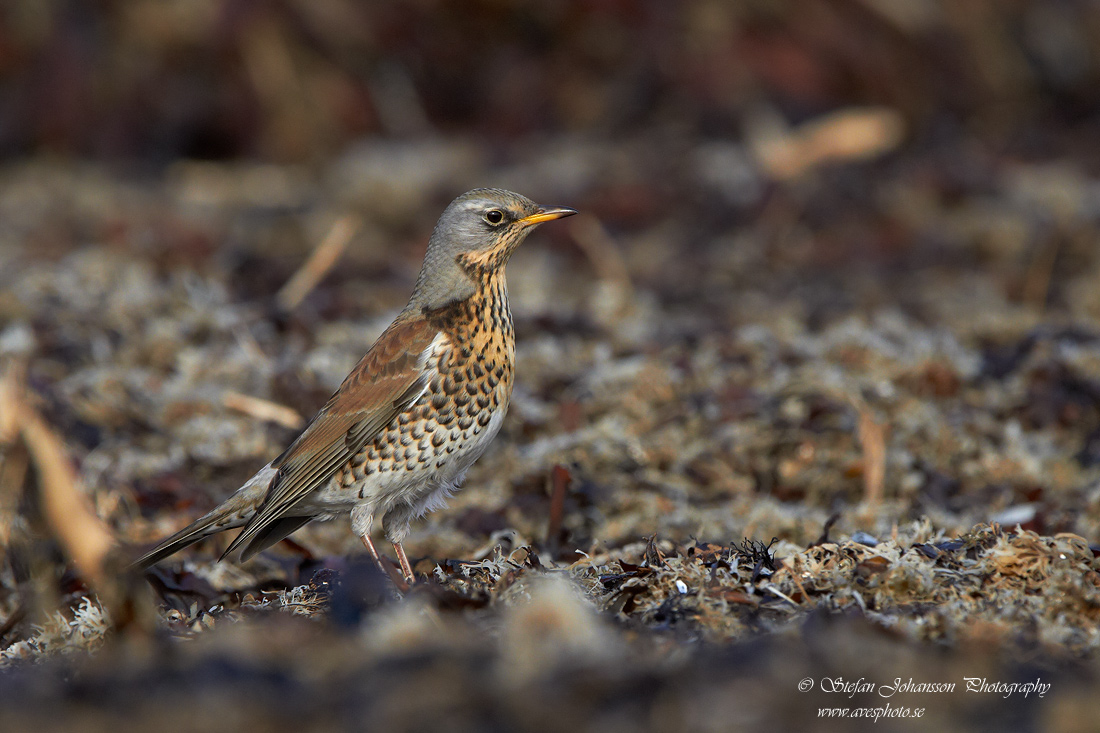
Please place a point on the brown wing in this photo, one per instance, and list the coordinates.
(384, 382)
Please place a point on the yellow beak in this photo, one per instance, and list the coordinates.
(546, 213)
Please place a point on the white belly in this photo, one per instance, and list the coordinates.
(421, 490)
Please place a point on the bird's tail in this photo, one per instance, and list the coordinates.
(233, 512)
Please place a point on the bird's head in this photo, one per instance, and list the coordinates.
(474, 238)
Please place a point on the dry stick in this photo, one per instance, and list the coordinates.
(65, 506)
(1039, 274)
(319, 263)
(857, 133)
(14, 459)
(871, 435)
(600, 248)
(67, 511)
(263, 409)
(872, 438)
(602, 251)
(559, 479)
(14, 464)
(10, 387)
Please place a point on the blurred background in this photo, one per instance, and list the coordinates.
(836, 271)
(147, 83)
(688, 119)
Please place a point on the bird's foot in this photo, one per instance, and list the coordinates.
(387, 567)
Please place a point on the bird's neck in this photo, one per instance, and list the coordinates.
(486, 306)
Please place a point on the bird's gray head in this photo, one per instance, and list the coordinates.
(474, 237)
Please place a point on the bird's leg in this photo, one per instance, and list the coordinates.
(372, 550)
(406, 568)
(361, 525)
(387, 567)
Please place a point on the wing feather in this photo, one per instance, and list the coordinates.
(389, 379)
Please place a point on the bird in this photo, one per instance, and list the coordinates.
(396, 439)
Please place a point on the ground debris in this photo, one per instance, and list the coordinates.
(764, 428)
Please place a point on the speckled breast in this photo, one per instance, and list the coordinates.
(436, 440)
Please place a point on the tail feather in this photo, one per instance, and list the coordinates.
(189, 535)
(233, 512)
(271, 533)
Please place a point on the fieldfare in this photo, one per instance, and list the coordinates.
(401, 431)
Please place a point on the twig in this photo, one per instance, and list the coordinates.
(262, 409)
(600, 248)
(14, 459)
(65, 507)
(559, 479)
(314, 269)
(1040, 272)
(857, 133)
(872, 439)
(770, 587)
(870, 433)
(602, 251)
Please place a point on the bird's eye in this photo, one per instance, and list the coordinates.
(494, 216)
